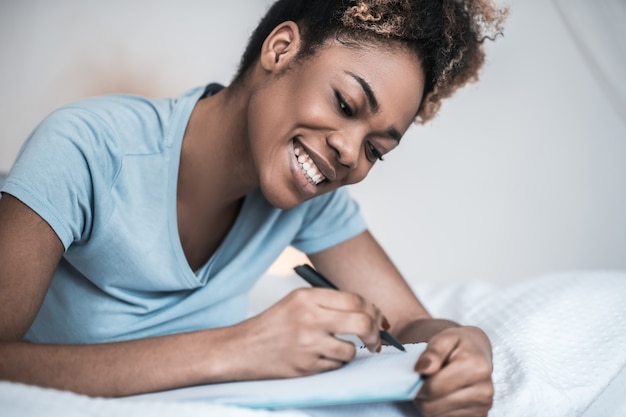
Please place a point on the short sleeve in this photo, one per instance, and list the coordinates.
(56, 169)
(330, 219)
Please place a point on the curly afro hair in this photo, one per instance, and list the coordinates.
(447, 36)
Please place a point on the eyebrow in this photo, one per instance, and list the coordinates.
(369, 93)
(373, 103)
(394, 134)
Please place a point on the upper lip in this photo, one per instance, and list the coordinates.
(326, 169)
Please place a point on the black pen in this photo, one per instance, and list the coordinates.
(316, 279)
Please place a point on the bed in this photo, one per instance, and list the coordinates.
(559, 351)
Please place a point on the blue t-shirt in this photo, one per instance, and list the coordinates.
(103, 173)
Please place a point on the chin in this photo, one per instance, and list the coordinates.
(280, 202)
(286, 192)
(286, 198)
(279, 197)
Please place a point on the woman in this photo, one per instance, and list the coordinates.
(132, 229)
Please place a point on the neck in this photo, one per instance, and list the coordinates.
(216, 168)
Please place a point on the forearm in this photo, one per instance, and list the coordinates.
(120, 368)
(421, 330)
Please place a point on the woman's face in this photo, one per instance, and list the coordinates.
(325, 122)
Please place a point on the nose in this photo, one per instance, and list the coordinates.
(347, 146)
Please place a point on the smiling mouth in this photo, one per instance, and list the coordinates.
(309, 169)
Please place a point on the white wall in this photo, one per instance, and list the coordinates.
(521, 174)
(55, 52)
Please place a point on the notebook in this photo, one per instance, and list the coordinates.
(369, 377)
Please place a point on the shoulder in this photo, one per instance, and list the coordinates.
(114, 124)
(329, 219)
(117, 113)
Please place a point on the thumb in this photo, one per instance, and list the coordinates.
(436, 354)
(428, 364)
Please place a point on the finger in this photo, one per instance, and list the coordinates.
(462, 369)
(318, 323)
(321, 364)
(439, 350)
(352, 314)
(456, 375)
(447, 380)
(471, 401)
(314, 318)
(339, 350)
(346, 301)
(360, 324)
(326, 352)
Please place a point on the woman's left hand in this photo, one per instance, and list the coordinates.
(456, 367)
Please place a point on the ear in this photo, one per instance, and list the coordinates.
(280, 46)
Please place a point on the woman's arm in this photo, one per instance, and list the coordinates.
(457, 362)
(292, 338)
(29, 254)
(361, 266)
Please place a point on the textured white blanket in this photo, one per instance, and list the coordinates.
(559, 342)
(559, 351)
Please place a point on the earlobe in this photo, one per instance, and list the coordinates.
(280, 46)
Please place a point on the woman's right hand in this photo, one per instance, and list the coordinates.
(297, 335)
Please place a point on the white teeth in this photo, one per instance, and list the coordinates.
(309, 169)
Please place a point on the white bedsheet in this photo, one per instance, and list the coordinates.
(559, 351)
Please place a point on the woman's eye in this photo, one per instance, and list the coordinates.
(343, 106)
(375, 153)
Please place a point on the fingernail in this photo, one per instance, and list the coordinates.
(422, 364)
(386, 325)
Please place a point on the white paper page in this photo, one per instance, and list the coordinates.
(370, 377)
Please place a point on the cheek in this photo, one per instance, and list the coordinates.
(258, 114)
(359, 174)
(262, 124)
(306, 103)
